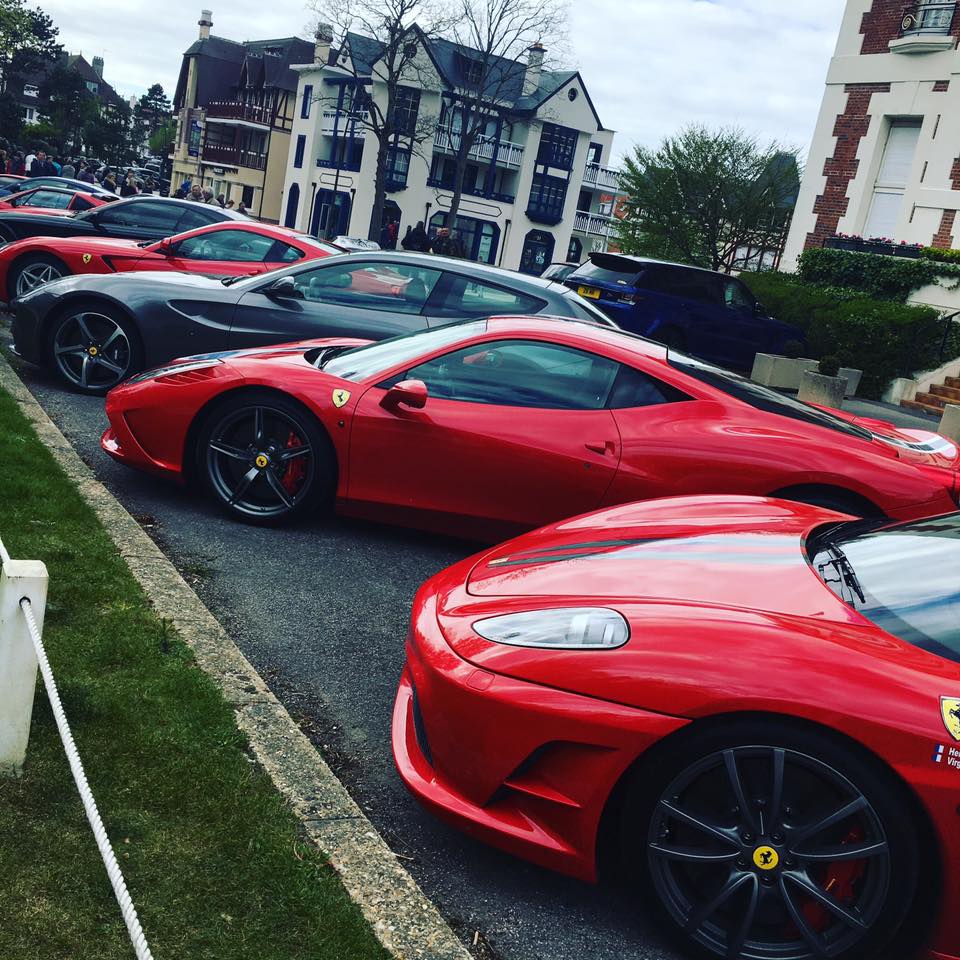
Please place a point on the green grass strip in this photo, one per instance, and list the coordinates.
(214, 859)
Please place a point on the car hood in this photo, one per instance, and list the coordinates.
(728, 551)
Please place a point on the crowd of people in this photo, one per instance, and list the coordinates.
(445, 243)
(193, 191)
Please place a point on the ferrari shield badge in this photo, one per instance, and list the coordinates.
(87, 257)
(950, 711)
(340, 397)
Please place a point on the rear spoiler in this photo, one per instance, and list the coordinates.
(617, 262)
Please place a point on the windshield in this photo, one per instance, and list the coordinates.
(627, 274)
(364, 362)
(904, 578)
(762, 398)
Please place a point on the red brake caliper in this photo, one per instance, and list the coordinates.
(839, 880)
(296, 468)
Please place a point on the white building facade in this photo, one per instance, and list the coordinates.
(538, 185)
(885, 159)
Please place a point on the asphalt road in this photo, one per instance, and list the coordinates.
(321, 611)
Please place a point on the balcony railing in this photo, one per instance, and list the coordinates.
(509, 154)
(352, 165)
(343, 122)
(595, 175)
(233, 156)
(234, 110)
(439, 184)
(592, 223)
(927, 18)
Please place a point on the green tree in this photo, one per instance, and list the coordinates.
(702, 195)
(108, 135)
(28, 42)
(162, 139)
(151, 113)
(68, 107)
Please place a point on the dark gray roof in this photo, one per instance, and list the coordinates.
(365, 52)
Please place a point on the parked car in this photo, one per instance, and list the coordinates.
(53, 200)
(558, 272)
(748, 708)
(10, 180)
(232, 249)
(136, 218)
(166, 315)
(491, 426)
(64, 183)
(706, 314)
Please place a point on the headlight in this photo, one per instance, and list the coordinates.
(566, 628)
(171, 368)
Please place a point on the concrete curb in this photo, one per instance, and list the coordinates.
(402, 918)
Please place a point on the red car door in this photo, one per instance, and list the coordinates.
(513, 432)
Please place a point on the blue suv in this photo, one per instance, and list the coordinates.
(706, 314)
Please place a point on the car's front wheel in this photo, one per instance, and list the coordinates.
(33, 272)
(772, 843)
(93, 347)
(265, 459)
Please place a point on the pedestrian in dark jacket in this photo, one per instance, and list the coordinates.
(416, 240)
(129, 188)
(109, 182)
(42, 166)
(447, 244)
(85, 174)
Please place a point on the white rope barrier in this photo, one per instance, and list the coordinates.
(4, 556)
(127, 908)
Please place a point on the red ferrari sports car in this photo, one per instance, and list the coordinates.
(232, 248)
(491, 426)
(52, 200)
(749, 706)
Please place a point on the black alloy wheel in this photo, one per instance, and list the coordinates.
(93, 348)
(762, 849)
(265, 459)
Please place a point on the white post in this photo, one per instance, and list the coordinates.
(18, 661)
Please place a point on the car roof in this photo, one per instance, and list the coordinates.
(598, 259)
(227, 214)
(581, 329)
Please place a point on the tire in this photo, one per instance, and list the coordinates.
(93, 346)
(33, 272)
(671, 338)
(698, 841)
(260, 481)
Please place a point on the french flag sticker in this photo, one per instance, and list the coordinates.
(938, 756)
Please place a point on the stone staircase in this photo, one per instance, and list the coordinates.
(938, 396)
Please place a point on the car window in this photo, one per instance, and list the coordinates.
(281, 252)
(193, 217)
(241, 246)
(736, 296)
(696, 285)
(520, 373)
(50, 199)
(463, 297)
(622, 274)
(633, 388)
(396, 287)
(156, 216)
(80, 203)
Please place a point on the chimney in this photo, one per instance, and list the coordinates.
(205, 22)
(98, 66)
(323, 38)
(531, 79)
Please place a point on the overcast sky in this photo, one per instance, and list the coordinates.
(650, 65)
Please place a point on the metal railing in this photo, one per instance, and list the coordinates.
(595, 175)
(23, 595)
(927, 18)
(439, 184)
(233, 156)
(508, 153)
(343, 122)
(237, 110)
(592, 223)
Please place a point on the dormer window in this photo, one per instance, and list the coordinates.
(471, 71)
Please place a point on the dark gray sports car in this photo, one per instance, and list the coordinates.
(96, 330)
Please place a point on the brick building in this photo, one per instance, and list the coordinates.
(885, 158)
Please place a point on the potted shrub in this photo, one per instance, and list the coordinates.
(824, 387)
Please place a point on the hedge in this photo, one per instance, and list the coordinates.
(882, 338)
(878, 277)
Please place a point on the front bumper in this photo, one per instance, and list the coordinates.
(27, 330)
(522, 767)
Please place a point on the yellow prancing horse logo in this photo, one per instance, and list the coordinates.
(340, 397)
(766, 858)
(950, 711)
(87, 257)
(261, 461)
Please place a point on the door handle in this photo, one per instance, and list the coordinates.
(608, 447)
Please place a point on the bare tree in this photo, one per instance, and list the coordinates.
(381, 42)
(494, 36)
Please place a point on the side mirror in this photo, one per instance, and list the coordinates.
(406, 393)
(165, 249)
(284, 289)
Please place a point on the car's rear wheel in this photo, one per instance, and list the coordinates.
(33, 272)
(771, 843)
(93, 347)
(265, 459)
